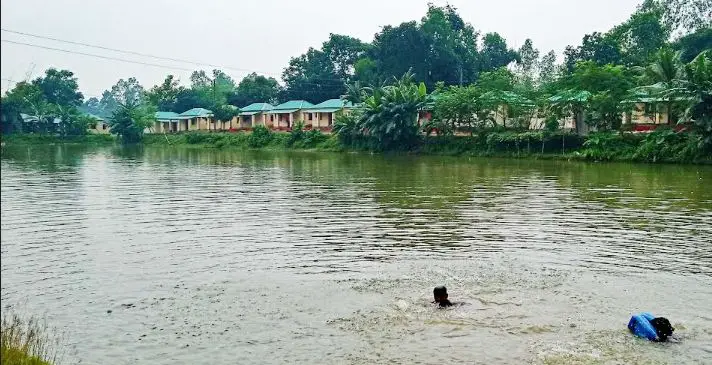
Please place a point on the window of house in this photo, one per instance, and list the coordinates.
(331, 118)
(271, 118)
(103, 126)
(192, 122)
(309, 116)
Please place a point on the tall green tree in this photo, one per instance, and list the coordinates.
(640, 36)
(693, 44)
(123, 92)
(608, 86)
(528, 65)
(130, 119)
(312, 77)
(50, 103)
(165, 95)
(399, 49)
(452, 54)
(682, 16)
(547, 68)
(60, 87)
(495, 53)
(597, 47)
(255, 88)
(344, 52)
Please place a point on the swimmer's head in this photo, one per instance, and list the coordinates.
(440, 294)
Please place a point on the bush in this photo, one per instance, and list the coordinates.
(260, 137)
(606, 146)
(296, 135)
(311, 139)
(666, 145)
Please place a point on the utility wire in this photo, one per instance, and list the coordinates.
(148, 55)
(132, 61)
(94, 55)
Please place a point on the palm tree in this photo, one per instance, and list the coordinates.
(664, 75)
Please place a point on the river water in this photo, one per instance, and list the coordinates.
(180, 256)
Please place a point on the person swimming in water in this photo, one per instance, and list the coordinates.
(440, 294)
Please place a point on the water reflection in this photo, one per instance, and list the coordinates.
(180, 232)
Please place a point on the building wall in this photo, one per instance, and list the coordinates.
(305, 118)
(281, 120)
(655, 114)
(298, 116)
(157, 127)
(321, 120)
(100, 128)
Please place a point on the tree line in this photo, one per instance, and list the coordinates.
(471, 72)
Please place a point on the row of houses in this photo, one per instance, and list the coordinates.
(321, 116)
(278, 117)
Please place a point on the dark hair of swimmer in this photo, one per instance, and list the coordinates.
(440, 295)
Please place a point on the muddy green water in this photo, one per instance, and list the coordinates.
(214, 257)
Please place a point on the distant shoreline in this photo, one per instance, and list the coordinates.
(508, 145)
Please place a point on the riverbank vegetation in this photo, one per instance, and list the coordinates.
(26, 341)
(481, 96)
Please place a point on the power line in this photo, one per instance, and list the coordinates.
(94, 55)
(130, 52)
(131, 61)
(148, 55)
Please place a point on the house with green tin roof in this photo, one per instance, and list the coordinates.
(322, 115)
(168, 122)
(256, 114)
(197, 119)
(286, 114)
(99, 125)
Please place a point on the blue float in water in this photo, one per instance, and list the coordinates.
(640, 326)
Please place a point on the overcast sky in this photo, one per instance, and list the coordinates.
(254, 35)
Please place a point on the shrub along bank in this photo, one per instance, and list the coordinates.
(663, 145)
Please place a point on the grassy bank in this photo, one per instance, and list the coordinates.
(26, 341)
(664, 145)
(259, 139)
(41, 139)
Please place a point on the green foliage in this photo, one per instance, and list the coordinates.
(456, 108)
(499, 79)
(59, 87)
(390, 114)
(311, 77)
(346, 127)
(260, 137)
(596, 47)
(698, 88)
(299, 138)
(225, 113)
(693, 44)
(640, 36)
(605, 146)
(165, 95)
(26, 341)
(495, 54)
(608, 86)
(130, 120)
(296, 134)
(666, 145)
(255, 89)
(681, 16)
(320, 74)
(123, 93)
